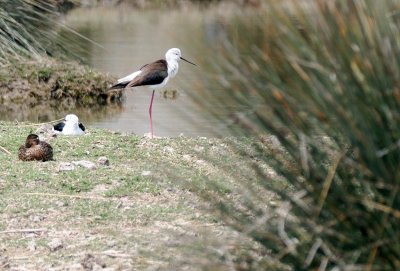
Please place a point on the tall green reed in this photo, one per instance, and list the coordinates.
(28, 29)
(323, 78)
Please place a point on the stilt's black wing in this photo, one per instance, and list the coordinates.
(152, 74)
(81, 126)
(120, 85)
(59, 126)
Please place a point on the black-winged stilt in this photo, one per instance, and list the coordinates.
(34, 149)
(155, 75)
(70, 126)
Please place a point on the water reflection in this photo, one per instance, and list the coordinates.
(43, 112)
(128, 39)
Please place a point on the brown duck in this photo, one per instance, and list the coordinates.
(34, 149)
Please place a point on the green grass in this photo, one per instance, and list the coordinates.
(121, 150)
(119, 206)
(29, 30)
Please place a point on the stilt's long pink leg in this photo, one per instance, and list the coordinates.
(150, 113)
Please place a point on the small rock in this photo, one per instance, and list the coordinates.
(65, 166)
(55, 244)
(275, 142)
(273, 203)
(32, 245)
(44, 129)
(85, 164)
(186, 157)
(103, 161)
(199, 148)
(61, 203)
(111, 243)
(100, 146)
(91, 262)
(146, 173)
(200, 162)
(169, 149)
(36, 218)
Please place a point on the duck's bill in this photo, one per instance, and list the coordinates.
(188, 61)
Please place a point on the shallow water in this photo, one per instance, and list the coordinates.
(128, 39)
(119, 42)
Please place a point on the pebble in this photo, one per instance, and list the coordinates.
(85, 164)
(198, 148)
(146, 173)
(273, 203)
(186, 157)
(169, 149)
(36, 218)
(200, 162)
(103, 161)
(60, 203)
(91, 262)
(32, 245)
(99, 146)
(65, 166)
(46, 129)
(55, 244)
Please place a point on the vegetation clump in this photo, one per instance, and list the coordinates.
(60, 85)
(28, 30)
(322, 76)
(30, 75)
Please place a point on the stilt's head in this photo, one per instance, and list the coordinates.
(174, 54)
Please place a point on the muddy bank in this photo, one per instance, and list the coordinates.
(49, 85)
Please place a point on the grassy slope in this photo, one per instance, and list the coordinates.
(118, 214)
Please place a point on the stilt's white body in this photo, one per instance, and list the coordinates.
(129, 77)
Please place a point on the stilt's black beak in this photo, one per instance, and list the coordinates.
(188, 61)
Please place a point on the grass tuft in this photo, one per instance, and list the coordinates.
(322, 78)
